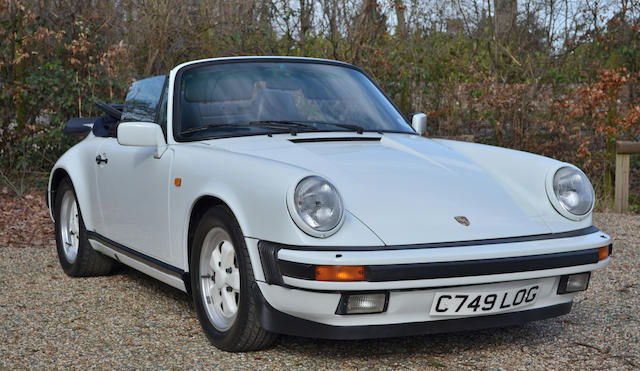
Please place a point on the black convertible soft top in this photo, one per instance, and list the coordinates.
(102, 126)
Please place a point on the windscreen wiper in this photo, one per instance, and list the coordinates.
(307, 124)
(277, 125)
(285, 124)
(358, 129)
(207, 127)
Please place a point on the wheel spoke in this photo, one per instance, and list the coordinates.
(228, 254)
(215, 260)
(229, 300)
(219, 281)
(215, 295)
(233, 280)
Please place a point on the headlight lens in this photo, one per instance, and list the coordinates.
(573, 190)
(318, 204)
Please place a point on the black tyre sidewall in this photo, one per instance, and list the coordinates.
(221, 217)
(71, 269)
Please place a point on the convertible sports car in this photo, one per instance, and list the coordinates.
(290, 195)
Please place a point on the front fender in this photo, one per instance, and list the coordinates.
(255, 190)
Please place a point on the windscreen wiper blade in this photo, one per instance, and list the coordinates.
(358, 129)
(308, 124)
(206, 127)
(284, 124)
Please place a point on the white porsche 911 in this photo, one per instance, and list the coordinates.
(290, 195)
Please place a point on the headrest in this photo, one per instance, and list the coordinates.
(281, 83)
(315, 90)
(205, 89)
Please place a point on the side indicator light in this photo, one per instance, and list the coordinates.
(177, 182)
(339, 273)
(603, 252)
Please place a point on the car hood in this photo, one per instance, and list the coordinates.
(405, 188)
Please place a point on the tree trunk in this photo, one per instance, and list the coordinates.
(18, 74)
(401, 28)
(306, 11)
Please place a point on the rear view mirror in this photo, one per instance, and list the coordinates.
(419, 123)
(142, 134)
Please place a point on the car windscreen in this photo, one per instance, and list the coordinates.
(246, 98)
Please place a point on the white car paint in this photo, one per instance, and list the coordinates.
(401, 190)
(133, 189)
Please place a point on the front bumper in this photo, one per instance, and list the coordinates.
(282, 323)
(412, 276)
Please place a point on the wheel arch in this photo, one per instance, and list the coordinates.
(57, 177)
(80, 186)
(199, 208)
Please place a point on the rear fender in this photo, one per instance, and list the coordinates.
(78, 165)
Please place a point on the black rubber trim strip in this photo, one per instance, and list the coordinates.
(491, 241)
(336, 139)
(297, 270)
(420, 271)
(268, 258)
(140, 257)
(275, 321)
(450, 269)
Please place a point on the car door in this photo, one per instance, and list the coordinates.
(133, 185)
(133, 189)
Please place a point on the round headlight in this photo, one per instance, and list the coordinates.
(573, 190)
(319, 206)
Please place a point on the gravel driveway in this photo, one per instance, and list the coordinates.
(127, 320)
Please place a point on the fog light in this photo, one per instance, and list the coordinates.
(574, 283)
(363, 303)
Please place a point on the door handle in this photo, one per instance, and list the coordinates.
(100, 160)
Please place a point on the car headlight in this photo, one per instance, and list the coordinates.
(318, 208)
(573, 192)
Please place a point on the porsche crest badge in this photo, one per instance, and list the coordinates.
(462, 220)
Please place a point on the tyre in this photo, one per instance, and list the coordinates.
(77, 257)
(221, 279)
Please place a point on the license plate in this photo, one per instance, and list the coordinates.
(474, 303)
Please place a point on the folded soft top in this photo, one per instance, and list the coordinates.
(102, 126)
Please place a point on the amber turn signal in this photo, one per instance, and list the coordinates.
(177, 182)
(603, 252)
(339, 273)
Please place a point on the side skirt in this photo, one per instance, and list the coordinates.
(172, 276)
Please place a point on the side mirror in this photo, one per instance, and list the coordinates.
(419, 123)
(142, 134)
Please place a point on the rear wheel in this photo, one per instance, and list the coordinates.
(221, 279)
(77, 257)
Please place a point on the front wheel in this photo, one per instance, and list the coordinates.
(221, 279)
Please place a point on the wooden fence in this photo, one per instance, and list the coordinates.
(624, 150)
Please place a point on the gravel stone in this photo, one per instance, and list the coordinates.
(128, 320)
